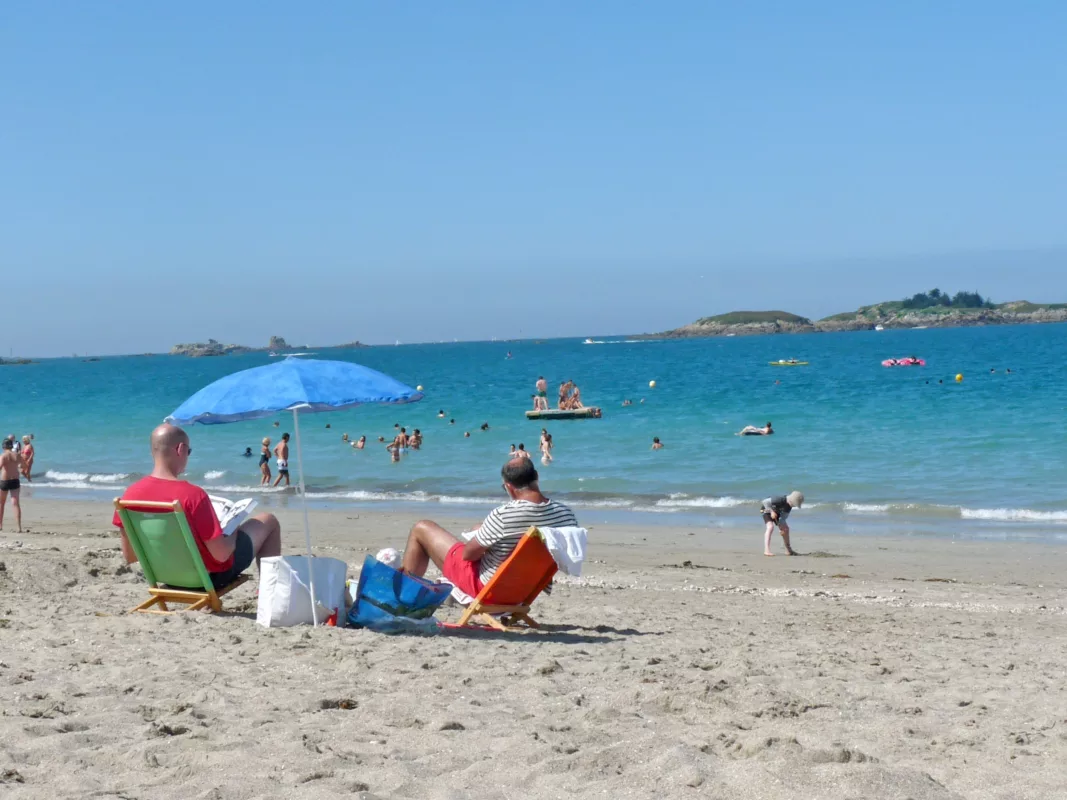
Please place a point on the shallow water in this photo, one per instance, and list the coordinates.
(873, 448)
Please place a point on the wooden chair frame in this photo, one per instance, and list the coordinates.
(480, 612)
(208, 600)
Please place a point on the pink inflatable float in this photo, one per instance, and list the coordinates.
(904, 362)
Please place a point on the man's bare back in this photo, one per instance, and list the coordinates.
(10, 461)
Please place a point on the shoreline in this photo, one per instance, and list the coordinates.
(847, 520)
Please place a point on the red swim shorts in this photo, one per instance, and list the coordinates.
(463, 574)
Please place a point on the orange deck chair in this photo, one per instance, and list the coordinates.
(513, 588)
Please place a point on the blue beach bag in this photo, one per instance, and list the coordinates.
(386, 597)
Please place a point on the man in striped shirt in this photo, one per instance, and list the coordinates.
(469, 565)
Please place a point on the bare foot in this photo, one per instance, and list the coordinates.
(769, 553)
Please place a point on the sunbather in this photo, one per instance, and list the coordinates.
(225, 557)
(468, 565)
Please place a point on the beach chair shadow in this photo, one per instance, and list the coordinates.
(160, 535)
(505, 600)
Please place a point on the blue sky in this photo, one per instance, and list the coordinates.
(420, 171)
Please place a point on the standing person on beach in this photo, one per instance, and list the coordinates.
(264, 463)
(27, 457)
(470, 564)
(281, 452)
(542, 393)
(10, 466)
(775, 511)
(225, 557)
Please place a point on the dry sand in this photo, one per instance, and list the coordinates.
(868, 668)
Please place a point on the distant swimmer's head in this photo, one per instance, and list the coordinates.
(795, 499)
(381, 438)
(655, 440)
(451, 422)
(522, 446)
(363, 438)
(466, 434)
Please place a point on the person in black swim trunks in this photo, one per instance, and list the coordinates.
(10, 464)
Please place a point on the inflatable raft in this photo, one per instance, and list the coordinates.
(590, 412)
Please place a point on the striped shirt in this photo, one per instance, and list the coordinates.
(505, 526)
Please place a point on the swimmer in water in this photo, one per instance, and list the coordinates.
(485, 426)
(441, 414)
(466, 434)
(415, 440)
(247, 453)
(451, 422)
(752, 430)
(546, 448)
(521, 452)
(656, 443)
(359, 445)
(512, 453)
(344, 437)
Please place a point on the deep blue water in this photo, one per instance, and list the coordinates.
(874, 449)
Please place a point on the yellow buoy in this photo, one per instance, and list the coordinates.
(959, 378)
(418, 388)
(651, 384)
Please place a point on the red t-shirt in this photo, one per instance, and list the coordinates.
(198, 511)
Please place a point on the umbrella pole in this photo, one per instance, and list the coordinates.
(307, 525)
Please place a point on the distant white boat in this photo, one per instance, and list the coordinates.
(592, 341)
(879, 327)
(287, 355)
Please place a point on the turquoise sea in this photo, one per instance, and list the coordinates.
(875, 450)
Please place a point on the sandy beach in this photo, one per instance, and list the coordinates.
(683, 664)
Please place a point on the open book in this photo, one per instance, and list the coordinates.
(232, 513)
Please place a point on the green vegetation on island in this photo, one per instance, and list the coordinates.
(753, 318)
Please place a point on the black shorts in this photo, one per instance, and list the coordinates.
(243, 556)
(283, 471)
(10, 486)
(781, 520)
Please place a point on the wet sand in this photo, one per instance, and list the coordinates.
(683, 664)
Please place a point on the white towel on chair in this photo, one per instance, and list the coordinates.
(567, 546)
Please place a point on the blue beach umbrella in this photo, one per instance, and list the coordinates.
(300, 385)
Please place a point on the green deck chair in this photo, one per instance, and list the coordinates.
(160, 536)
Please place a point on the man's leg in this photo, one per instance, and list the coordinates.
(784, 528)
(427, 542)
(266, 534)
(18, 508)
(3, 504)
(767, 539)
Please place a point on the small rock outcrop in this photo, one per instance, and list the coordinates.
(209, 348)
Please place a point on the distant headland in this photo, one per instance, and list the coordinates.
(277, 344)
(933, 309)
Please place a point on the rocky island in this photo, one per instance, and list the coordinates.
(933, 309)
(213, 347)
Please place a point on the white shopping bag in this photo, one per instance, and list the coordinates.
(284, 596)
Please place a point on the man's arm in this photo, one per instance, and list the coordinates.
(127, 549)
(484, 536)
(473, 550)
